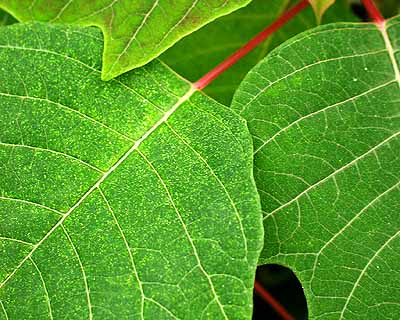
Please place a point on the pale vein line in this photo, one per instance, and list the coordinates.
(162, 307)
(82, 270)
(308, 67)
(44, 287)
(185, 229)
(147, 15)
(390, 50)
(110, 5)
(334, 173)
(233, 205)
(179, 22)
(83, 115)
(17, 240)
(4, 309)
(310, 115)
(81, 63)
(62, 11)
(350, 222)
(31, 203)
(364, 271)
(104, 176)
(129, 252)
(51, 151)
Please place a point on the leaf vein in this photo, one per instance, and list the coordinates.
(363, 271)
(310, 115)
(197, 257)
(129, 252)
(333, 174)
(81, 63)
(305, 68)
(87, 291)
(51, 151)
(232, 203)
(31, 203)
(44, 287)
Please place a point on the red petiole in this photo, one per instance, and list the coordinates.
(279, 309)
(373, 12)
(259, 38)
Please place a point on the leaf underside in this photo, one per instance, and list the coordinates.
(132, 198)
(324, 112)
(135, 32)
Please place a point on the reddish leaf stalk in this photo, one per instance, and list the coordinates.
(279, 309)
(373, 12)
(235, 57)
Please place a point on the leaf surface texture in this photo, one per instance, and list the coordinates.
(132, 198)
(135, 31)
(324, 112)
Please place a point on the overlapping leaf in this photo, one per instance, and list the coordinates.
(135, 32)
(199, 52)
(324, 112)
(131, 198)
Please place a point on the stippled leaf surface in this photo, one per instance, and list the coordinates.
(127, 199)
(195, 55)
(324, 112)
(135, 32)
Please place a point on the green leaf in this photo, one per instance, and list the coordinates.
(5, 18)
(135, 31)
(208, 46)
(132, 198)
(320, 6)
(324, 112)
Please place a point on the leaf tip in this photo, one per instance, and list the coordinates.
(320, 6)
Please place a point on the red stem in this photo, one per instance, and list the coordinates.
(373, 12)
(228, 62)
(267, 297)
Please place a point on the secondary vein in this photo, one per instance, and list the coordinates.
(136, 145)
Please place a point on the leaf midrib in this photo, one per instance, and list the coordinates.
(383, 29)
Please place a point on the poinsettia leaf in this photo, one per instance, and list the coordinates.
(132, 198)
(135, 31)
(210, 45)
(324, 112)
(320, 6)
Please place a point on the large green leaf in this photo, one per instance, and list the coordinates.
(132, 198)
(324, 112)
(135, 31)
(198, 53)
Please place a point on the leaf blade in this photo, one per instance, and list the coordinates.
(135, 32)
(326, 133)
(131, 235)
